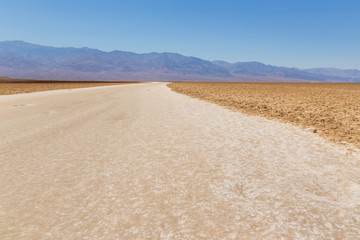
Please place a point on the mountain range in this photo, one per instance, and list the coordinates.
(19, 59)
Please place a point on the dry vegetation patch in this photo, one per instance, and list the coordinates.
(329, 109)
(16, 87)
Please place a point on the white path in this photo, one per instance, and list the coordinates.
(140, 161)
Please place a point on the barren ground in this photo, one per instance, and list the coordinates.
(143, 162)
(331, 110)
(7, 88)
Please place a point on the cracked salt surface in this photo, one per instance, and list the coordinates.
(123, 162)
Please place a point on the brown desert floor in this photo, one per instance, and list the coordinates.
(140, 161)
(7, 88)
(331, 110)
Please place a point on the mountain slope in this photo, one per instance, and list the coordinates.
(347, 73)
(92, 60)
(24, 60)
(260, 69)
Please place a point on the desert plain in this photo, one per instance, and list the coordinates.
(141, 161)
(331, 110)
(17, 86)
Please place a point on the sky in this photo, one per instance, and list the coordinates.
(292, 33)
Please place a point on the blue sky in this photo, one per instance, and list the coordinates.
(295, 33)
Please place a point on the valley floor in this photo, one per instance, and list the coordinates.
(17, 86)
(331, 110)
(141, 161)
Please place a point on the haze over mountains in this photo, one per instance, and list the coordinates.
(24, 60)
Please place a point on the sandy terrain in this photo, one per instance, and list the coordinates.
(7, 88)
(143, 162)
(331, 110)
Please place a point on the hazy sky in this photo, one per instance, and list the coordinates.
(295, 33)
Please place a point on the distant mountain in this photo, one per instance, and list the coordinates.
(348, 73)
(260, 69)
(24, 60)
